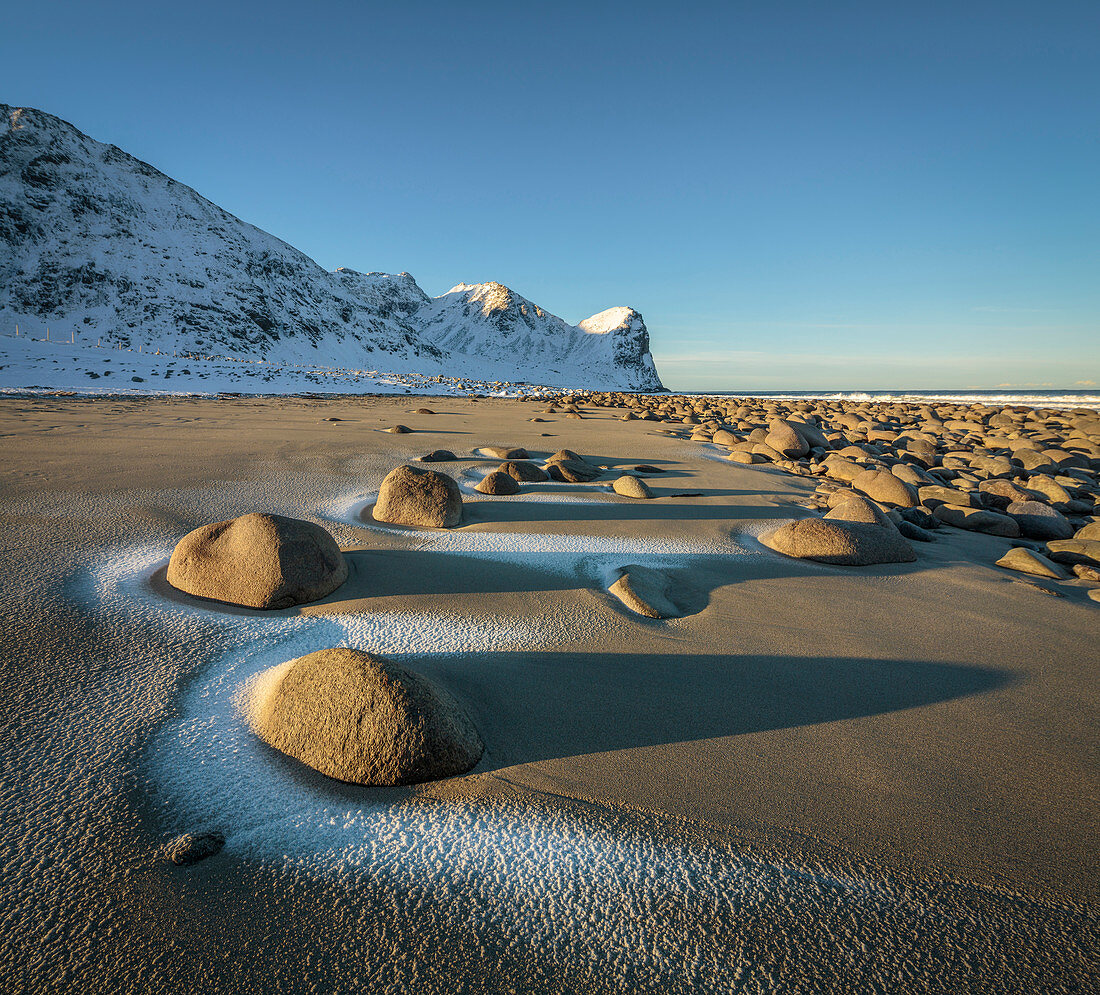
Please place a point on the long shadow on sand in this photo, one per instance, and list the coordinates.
(532, 706)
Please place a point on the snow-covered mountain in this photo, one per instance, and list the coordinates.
(97, 243)
(493, 323)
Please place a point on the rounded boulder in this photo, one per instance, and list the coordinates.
(411, 495)
(363, 719)
(258, 561)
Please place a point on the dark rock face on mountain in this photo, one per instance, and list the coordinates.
(98, 242)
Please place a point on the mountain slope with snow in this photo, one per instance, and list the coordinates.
(497, 325)
(100, 246)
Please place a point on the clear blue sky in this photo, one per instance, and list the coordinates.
(802, 195)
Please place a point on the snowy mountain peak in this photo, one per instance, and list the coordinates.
(100, 245)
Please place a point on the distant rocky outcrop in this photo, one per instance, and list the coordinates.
(97, 242)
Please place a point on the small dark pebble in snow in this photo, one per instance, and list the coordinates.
(138, 379)
(688, 494)
(193, 847)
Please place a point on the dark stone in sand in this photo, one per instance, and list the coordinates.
(193, 847)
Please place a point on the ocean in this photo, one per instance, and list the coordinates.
(1089, 399)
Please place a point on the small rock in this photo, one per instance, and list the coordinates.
(399, 430)
(438, 456)
(1085, 572)
(193, 847)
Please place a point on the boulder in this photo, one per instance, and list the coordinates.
(524, 471)
(886, 488)
(1039, 521)
(439, 456)
(914, 532)
(497, 483)
(842, 468)
(977, 520)
(1085, 572)
(647, 592)
(812, 435)
(573, 471)
(1074, 551)
(841, 542)
(399, 430)
(1090, 531)
(258, 561)
(412, 496)
(1028, 562)
(565, 455)
(785, 440)
(848, 507)
(1000, 494)
(934, 494)
(360, 718)
(631, 487)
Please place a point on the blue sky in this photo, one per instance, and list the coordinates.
(799, 195)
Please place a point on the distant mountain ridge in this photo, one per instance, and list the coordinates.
(95, 240)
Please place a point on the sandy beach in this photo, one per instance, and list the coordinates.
(820, 778)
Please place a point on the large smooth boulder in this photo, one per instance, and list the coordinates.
(258, 561)
(411, 495)
(1090, 531)
(976, 520)
(1028, 562)
(785, 440)
(886, 488)
(841, 542)
(1039, 521)
(1074, 551)
(934, 495)
(360, 718)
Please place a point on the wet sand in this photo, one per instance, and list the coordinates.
(922, 737)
